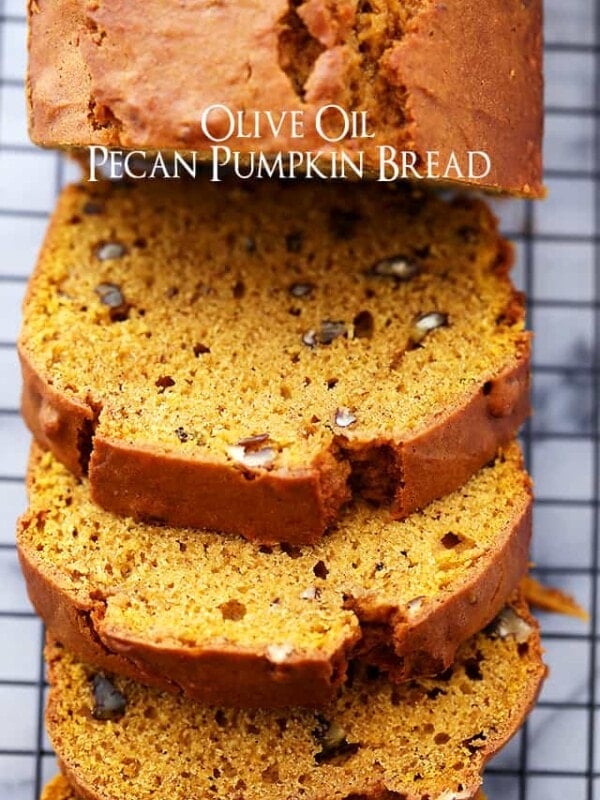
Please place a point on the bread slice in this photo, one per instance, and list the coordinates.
(429, 738)
(59, 789)
(243, 358)
(433, 79)
(232, 623)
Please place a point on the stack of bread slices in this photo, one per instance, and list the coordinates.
(278, 517)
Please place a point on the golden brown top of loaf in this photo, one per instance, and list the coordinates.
(432, 77)
(268, 328)
(429, 738)
(386, 590)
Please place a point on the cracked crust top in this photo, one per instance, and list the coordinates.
(447, 77)
(185, 611)
(245, 358)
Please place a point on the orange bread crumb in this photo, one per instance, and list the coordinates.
(232, 623)
(117, 739)
(245, 358)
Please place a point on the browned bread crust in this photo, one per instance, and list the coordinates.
(151, 485)
(83, 567)
(154, 475)
(430, 738)
(447, 77)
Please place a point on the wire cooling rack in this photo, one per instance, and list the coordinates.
(557, 755)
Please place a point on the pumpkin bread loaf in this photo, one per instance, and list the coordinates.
(233, 623)
(445, 78)
(430, 738)
(244, 358)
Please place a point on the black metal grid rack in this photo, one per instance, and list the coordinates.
(557, 755)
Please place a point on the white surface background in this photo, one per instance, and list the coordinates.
(557, 757)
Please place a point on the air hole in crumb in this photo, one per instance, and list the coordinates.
(294, 241)
(164, 382)
(291, 550)
(364, 325)
(473, 670)
(320, 570)
(233, 610)
(239, 290)
(332, 383)
(441, 738)
(487, 387)
(200, 349)
(446, 675)
(343, 223)
(450, 540)
(220, 718)
(434, 693)
(523, 649)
